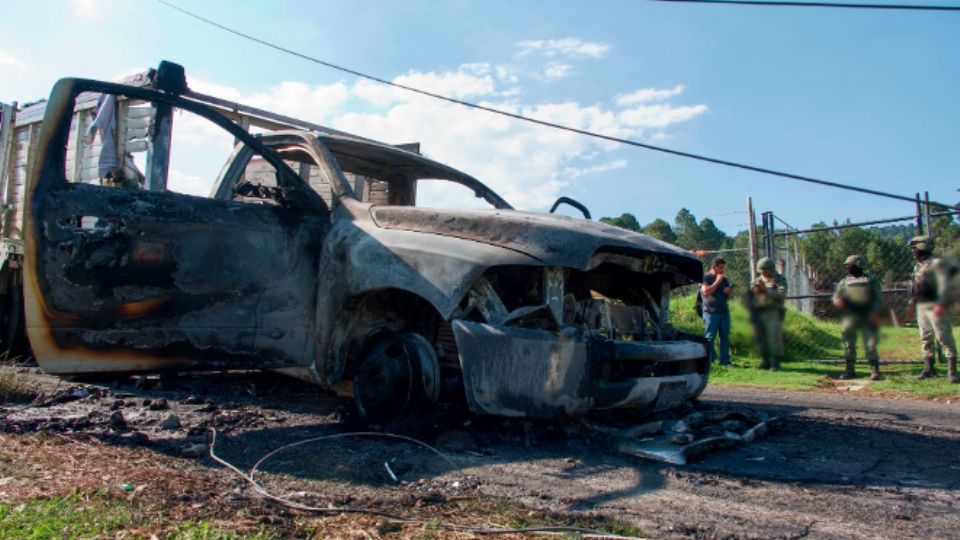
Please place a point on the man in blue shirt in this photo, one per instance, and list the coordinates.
(716, 290)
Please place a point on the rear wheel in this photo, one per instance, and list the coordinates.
(11, 317)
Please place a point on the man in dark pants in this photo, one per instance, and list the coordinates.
(716, 290)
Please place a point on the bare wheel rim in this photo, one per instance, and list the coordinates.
(383, 381)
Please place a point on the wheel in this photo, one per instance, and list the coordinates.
(383, 380)
(11, 319)
(426, 384)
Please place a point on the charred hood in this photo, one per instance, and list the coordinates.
(555, 240)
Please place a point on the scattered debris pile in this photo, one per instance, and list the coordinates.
(681, 441)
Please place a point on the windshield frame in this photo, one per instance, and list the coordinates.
(415, 166)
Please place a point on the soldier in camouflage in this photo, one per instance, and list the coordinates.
(929, 288)
(859, 298)
(769, 291)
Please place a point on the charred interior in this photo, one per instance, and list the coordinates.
(608, 301)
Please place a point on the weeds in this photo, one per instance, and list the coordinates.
(14, 387)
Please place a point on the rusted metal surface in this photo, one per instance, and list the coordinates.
(549, 315)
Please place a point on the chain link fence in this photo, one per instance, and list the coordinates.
(812, 261)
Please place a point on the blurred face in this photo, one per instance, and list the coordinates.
(719, 268)
(766, 273)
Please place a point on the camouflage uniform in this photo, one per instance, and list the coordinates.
(929, 287)
(861, 297)
(768, 311)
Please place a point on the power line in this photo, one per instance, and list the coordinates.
(516, 116)
(845, 5)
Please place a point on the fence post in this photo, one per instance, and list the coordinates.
(926, 214)
(752, 235)
(919, 216)
(768, 246)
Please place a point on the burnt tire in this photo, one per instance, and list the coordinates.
(12, 335)
(384, 376)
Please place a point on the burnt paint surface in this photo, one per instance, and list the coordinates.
(225, 284)
(554, 240)
(523, 372)
(120, 280)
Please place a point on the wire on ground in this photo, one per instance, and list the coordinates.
(259, 488)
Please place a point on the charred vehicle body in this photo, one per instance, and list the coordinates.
(311, 256)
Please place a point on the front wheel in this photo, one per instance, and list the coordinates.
(393, 372)
(383, 378)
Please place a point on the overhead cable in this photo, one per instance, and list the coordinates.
(516, 116)
(843, 5)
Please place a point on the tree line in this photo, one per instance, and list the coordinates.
(884, 248)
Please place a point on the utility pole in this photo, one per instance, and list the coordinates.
(752, 228)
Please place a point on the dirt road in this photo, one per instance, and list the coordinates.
(840, 467)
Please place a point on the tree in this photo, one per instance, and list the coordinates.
(660, 230)
(625, 221)
(686, 228)
(710, 237)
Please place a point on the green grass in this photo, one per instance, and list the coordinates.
(904, 383)
(807, 341)
(94, 515)
(804, 337)
(63, 517)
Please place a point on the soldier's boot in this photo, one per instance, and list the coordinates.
(928, 369)
(875, 372)
(952, 371)
(848, 373)
(765, 362)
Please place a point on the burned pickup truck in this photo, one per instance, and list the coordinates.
(311, 256)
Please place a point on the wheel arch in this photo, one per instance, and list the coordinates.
(363, 314)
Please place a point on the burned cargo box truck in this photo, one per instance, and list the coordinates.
(314, 254)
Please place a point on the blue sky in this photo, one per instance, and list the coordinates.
(865, 97)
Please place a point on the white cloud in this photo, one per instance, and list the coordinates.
(556, 70)
(658, 116)
(291, 98)
(467, 81)
(505, 74)
(647, 95)
(180, 182)
(9, 60)
(88, 9)
(529, 165)
(567, 47)
(573, 172)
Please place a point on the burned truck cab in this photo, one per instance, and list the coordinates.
(321, 254)
(531, 314)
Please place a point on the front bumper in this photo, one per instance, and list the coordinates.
(519, 372)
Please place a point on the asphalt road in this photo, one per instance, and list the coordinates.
(840, 466)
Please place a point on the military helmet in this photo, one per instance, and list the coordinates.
(855, 260)
(765, 263)
(921, 243)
